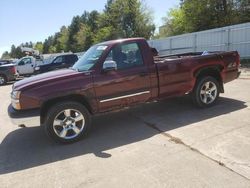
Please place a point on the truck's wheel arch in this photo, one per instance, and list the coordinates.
(214, 71)
(76, 98)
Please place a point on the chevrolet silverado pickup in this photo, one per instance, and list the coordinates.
(113, 75)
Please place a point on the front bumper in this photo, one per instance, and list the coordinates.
(28, 118)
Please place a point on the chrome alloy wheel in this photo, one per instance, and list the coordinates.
(2, 80)
(208, 92)
(68, 123)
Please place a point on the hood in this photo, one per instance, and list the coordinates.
(44, 78)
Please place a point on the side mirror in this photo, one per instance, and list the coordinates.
(109, 65)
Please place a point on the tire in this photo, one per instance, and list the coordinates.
(3, 80)
(206, 92)
(67, 122)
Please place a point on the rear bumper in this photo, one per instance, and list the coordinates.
(28, 118)
(231, 75)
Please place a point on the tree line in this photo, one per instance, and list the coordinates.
(132, 18)
(119, 19)
(198, 15)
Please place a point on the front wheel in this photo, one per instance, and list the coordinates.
(206, 92)
(2, 80)
(67, 122)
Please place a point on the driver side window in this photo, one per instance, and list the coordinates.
(59, 59)
(126, 56)
(25, 61)
(21, 63)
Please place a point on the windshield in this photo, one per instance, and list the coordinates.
(89, 59)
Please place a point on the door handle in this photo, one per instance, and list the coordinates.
(142, 74)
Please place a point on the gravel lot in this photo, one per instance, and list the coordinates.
(166, 144)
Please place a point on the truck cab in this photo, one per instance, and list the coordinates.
(123, 78)
(26, 65)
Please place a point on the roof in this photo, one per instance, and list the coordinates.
(111, 42)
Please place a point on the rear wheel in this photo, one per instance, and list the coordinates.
(67, 122)
(206, 92)
(3, 80)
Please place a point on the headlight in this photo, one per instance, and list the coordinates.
(15, 96)
(37, 68)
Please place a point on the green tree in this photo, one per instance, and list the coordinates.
(207, 14)
(81, 37)
(62, 39)
(90, 20)
(39, 46)
(125, 18)
(52, 49)
(27, 44)
(174, 23)
(19, 53)
(198, 15)
(13, 52)
(6, 55)
(103, 34)
(16, 52)
(73, 30)
(244, 13)
(120, 18)
(47, 43)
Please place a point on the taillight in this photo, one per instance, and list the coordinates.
(233, 62)
(13, 70)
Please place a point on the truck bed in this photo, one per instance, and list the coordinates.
(161, 59)
(175, 72)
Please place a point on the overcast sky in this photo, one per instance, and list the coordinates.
(29, 20)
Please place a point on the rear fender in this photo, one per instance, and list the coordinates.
(214, 71)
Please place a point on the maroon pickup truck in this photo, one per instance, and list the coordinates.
(113, 75)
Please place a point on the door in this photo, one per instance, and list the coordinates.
(129, 84)
(25, 66)
(58, 63)
(70, 60)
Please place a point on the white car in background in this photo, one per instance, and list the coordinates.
(26, 65)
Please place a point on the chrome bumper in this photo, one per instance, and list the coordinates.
(28, 118)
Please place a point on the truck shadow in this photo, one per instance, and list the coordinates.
(25, 148)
